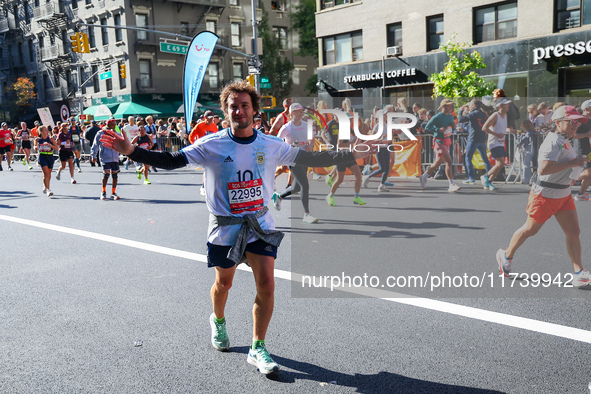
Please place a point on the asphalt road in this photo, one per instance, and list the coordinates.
(113, 296)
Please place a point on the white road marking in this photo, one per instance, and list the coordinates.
(538, 326)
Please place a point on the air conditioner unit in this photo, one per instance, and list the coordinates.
(394, 51)
(328, 4)
(346, 1)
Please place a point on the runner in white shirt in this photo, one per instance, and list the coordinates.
(239, 166)
(131, 130)
(551, 195)
(295, 133)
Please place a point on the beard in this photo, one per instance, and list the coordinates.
(241, 123)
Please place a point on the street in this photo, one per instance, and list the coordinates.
(113, 296)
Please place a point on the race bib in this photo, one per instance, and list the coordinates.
(245, 196)
(447, 133)
(8, 141)
(144, 145)
(66, 144)
(45, 147)
(75, 138)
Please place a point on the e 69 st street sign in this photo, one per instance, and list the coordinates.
(106, 75)
(174, 48)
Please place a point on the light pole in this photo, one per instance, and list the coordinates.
(255, 51)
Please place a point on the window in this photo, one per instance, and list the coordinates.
(109, 83)
(74, 4)
(237, 71)
(145, 74)
(343, 48)
(31, 51)
(104, 31)
(210, 26)
(95, 79)
(26, 9)
(88, 2)
(495, 22)
(21, 56)
(233, 2)
(91, 36)
(394, 34)
(235, 33)
(141, 20)
(15, 13)
(185, 28)
(278, 5)
(331, 3)
(280, 34)
(118, 32)
(69, 83)
(212, 72)
(572, 13)
(434, 32)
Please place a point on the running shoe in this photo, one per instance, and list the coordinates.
(453, 188)
(358, 201)
(261, 359)
(147, 182)
(330, 200)
(581, 279)
(328, 180)
(49, 193)
(139, 175)
(127, 164)
(504, 263)
(44, 190)
(73, 181)
(383, 188)
(24, 162)
(103, 195)
(58, 176)
(582, 197)
(492, 187)
(10, 168)
(316, 176)
(485, 182)
(219, 336)
(202, 191)
(423, 179)
(388, 184)
(79, 170)
(1, 169)
(155, 169)
(114, 196)
(367, 169)
(309, 219)
(277, 201)
(30, 168)
(364, 181)
(469, 182)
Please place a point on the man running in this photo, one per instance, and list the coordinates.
(496, 128)
(239, 165)
(24, 135)
(5, 144)
(551, 194)
(109, 158)
(441, 126)
(66, 155)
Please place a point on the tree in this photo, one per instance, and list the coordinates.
(275, 67)
(458, 78)
(304, 21)
(25, 91)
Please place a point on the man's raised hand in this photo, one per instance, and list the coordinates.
(117, 142)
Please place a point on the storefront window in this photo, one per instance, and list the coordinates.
(495, 23)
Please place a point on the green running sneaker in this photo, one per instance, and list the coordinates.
(358, 201)
(328, 180)
(330, 201)
(261, 359)
(139, 175)
(219, 336)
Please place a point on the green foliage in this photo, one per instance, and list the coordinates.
(458, 78)
(311, 84)
(25, 91)
(276, 67)
(304, 21)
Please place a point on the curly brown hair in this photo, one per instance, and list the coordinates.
(236, 87)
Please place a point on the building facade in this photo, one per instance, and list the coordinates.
(381, 50)
(35, 43)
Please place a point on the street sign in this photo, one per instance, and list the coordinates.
(82, 117)
(253, 70)
(64, 113)
(174, 48)
(265, 85)
(107, 75)
(264, 79)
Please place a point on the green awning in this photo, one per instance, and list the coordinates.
(131, 109)
(101, 112)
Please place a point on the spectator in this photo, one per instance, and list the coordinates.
(583, 149)
(475, 116)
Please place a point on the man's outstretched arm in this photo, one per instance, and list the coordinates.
(120, 143)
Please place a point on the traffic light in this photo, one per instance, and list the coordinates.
(123, 71)
(268, 102)
(84, 46)
(250, 79)
(76, 43)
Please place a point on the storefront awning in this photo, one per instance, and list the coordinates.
(131, 109)
(101, 112)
